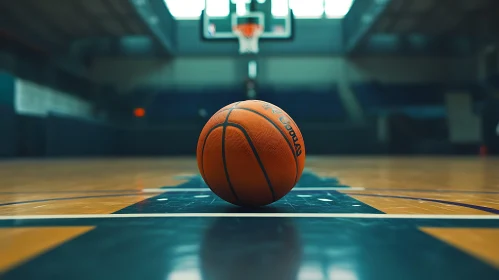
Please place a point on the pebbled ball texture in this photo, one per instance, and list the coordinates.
(251, 153)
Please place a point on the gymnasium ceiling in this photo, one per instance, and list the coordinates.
(86, 27)
(467, 22)
(70, 32)
(438, 16)
(58, 23)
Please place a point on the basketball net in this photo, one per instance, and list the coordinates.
(248, 35)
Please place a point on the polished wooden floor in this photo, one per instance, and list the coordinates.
(46, 205)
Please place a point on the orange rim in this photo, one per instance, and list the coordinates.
(248, 29)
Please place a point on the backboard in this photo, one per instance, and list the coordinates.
(221, 16)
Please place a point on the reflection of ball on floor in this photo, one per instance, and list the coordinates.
(251, 153)
(251, 248)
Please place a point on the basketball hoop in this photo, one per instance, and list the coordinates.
(248, 35)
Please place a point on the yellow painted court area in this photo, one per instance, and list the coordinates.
(20, 244)
(481, 242)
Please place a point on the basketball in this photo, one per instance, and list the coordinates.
(251, 153)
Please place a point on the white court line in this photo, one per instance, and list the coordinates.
(254, 215)
(328, 189)
(173, 189)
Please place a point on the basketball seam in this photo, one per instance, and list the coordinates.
(224, 159)
(255, 153)
(277, 128)
(224, 110)
(202, 150)
(282, 134)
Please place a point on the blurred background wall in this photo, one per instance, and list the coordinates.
(352, 87)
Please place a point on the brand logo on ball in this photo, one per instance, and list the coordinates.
(289, 128)
(274, 110)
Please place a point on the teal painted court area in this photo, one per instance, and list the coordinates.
(265, 248)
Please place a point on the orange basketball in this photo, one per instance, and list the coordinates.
(251, 153)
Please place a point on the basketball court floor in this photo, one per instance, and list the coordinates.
(348, 218)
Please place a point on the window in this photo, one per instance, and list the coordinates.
(218, 8)
(337, 8)
(240, 6)
(280, 8)
(185, 9)
(191, 9)
(307, 8)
